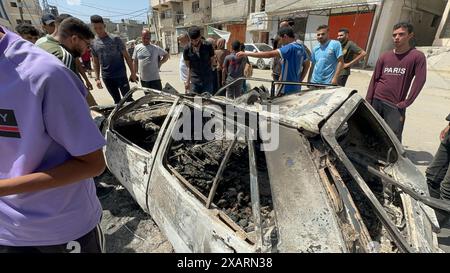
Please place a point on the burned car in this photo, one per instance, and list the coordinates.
(337, 179)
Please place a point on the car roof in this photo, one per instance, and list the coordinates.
(306, 110)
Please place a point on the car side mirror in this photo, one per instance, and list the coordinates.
(255, 51)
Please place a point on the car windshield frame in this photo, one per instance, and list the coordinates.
(263, 47)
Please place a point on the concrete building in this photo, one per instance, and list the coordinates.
(127, 30)
(425, 15)
(443, 34)
(168, 15)
(196, 12)
(370, 21)
(4, 20)
(28, 11)
(231, 16)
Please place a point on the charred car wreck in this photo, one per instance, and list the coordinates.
(338, 181)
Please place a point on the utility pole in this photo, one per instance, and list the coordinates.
(20, 6)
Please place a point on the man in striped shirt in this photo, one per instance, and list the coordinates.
(72, 40)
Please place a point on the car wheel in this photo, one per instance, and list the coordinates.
(261, 64)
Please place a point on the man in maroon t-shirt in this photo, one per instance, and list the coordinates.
(393, 77)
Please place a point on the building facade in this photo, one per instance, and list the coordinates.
(370, 21)
(127, 29)
(168, 16)
(4, 19)
(231, 16)
(27, 11)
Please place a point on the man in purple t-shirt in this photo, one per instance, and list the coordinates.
(393, 76)
(49, 151)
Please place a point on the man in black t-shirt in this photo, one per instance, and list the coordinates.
(199, 56)
(352, 55)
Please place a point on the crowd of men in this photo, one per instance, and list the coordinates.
(51, 148)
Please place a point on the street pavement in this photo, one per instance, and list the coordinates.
(424, 122)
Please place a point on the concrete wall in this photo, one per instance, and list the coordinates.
(199, 18)
(382, 41)
(443, 34)
(280, 6)
(155, 3)
(229, 11)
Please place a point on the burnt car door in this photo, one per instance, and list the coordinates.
(133, 134)
(211, 195)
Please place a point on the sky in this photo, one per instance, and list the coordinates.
(113, 9)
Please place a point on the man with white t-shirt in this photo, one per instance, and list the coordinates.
(183, 39)
(148, 59)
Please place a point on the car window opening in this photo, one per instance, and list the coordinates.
(198, 161)
(142, 125)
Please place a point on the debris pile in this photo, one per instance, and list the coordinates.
(198, 162)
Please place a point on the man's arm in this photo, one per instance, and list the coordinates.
(446, 130)
(97, 72)
(224, 71)
(187, 84)
(136, 65)
(339, 68)
(165, 58)
(74, 170)
(129, 61)
(306, 66)
(360, 56)
(419, 82)
(373, 83)
(82, 72)
(264, 55)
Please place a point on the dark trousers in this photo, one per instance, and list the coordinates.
(219, 79)
(393, 116)
(93, 242)
(117, 86)
(438, 173)
(342, 80)
(215, 79)
(157, 85)
(235, 90)
(205, 86)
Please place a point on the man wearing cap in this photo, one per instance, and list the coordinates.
(48, 23)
